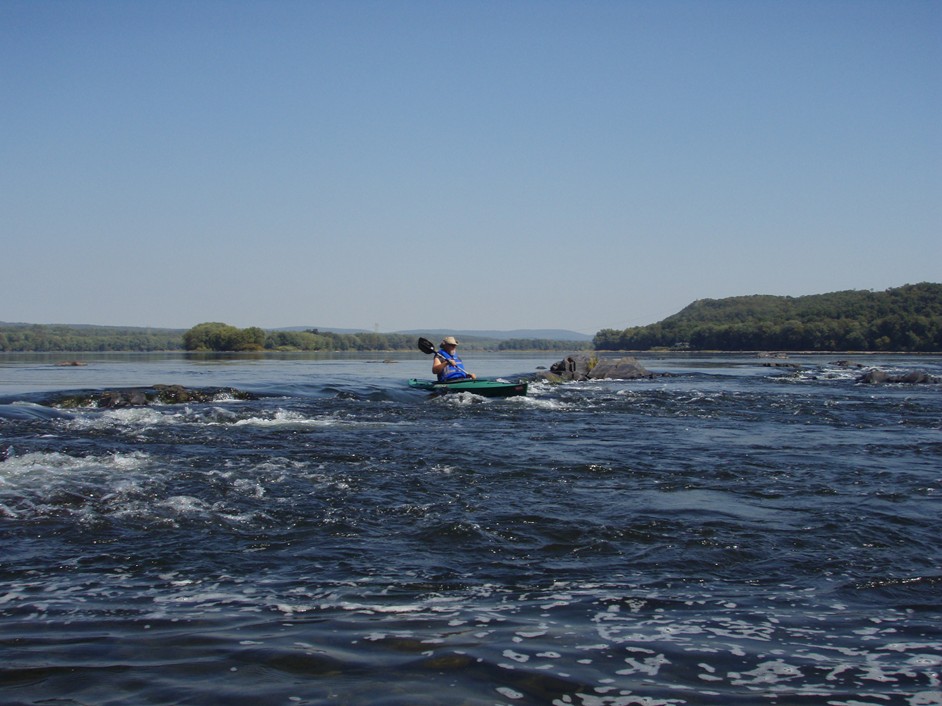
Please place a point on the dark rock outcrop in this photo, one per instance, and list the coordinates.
(583, 366)
(781, 364)
(121, 398)
(914, 377)
(626, 368)
(777, 359)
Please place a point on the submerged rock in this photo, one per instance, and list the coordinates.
(143, 396)
(121, 398)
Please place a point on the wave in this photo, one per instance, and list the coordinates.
(52, 484)
(24, 411)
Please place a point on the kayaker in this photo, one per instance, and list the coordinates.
(447, 365)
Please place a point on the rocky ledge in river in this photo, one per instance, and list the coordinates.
(877, 376)
(913, 377)
(142, 396)
(583, 366)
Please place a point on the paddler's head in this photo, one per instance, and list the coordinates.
(449, 342)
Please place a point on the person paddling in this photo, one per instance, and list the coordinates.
(447, 365)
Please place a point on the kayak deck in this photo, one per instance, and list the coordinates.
(485, 388)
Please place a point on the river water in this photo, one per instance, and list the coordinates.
(727, 534)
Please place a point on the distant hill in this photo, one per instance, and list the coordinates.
(907, 318)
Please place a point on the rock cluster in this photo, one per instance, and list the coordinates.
(141, 396)
(583, 366)
(914, 377)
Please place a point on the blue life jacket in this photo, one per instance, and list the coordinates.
(453, 370)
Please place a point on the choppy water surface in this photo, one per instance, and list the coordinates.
(730, 534)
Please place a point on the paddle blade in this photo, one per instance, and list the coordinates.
(426, 346)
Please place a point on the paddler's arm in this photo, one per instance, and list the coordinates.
(438, 363)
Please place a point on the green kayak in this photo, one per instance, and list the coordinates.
(485, 388)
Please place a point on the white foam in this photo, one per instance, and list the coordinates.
(185, 505)
(463, 399)
(129, 417)
(543, 403)
(509, 693)
(766, 673)
(649, 665)
(516, 656)
(46, 464)
(282, 418)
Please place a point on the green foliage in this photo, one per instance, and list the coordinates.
(541, 344)
(209, 336)
(328, 341)
(295, 341)
(906, 318)
(72, 339)
(214, 336)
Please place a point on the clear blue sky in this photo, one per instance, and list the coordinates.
(466, 165)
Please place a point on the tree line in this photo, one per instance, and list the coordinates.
(542, 344)
(222, 337)
(216, 336)
(907, 318)
(16, 338)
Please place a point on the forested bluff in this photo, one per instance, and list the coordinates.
(905, 319)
